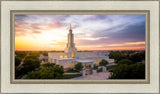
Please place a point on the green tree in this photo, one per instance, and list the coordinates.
(95, 66)
(138, 57)
(125, 61)
(47, 72)
(45, 53)
(78, 66)
(48, 64)
(20, 72)
(31, 57)
(133, 71)
(31, 64)
(34, 53)
(103, 62)
(20, 54)
(117, 55)
(17, 61)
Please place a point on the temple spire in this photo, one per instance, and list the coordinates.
(70, 27)
(70, 48)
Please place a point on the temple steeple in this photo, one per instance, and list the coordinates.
(70, 48)
(70, 37)
(70, 27)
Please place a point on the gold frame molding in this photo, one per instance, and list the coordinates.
(82, 12)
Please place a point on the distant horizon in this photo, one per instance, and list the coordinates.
(82, 50)
(91, 32)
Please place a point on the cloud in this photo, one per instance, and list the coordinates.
(36, 32)
(128, 44)
(20, 34)
(90, 38)
(89, 30)
(58, 43)
(130, 33)
(35, 24)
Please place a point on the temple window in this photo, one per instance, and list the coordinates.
(61, 56)
(65, 56)
(72, 54)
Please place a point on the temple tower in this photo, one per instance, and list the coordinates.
(70, 47)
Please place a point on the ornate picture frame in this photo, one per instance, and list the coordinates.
(149, 8)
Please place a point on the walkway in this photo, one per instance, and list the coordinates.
(94, 76)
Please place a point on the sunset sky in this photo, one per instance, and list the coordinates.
(91, 32)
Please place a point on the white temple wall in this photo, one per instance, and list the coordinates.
(53, 56)
(67, 63)
(96, 57)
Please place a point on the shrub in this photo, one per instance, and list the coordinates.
(95, 66)
(125, 61)
(17, 61)
(133, 71)
(31, 64)
(103, 62)
(47, 72)
(78, 66)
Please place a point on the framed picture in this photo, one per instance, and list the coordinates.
(80, 46)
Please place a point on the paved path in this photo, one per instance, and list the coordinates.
(95, 76)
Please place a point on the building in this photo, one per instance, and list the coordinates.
(71, 56)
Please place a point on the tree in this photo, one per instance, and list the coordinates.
(125, 61)
(78, 66)
(17, 61)
(133, 71)
(138, 57)
(48, 64)
(35, 53)
(31, 57)
(20, 54)
(103, 62)
(117, 55)
(45, 53)
(20, 72)
(95, 66)
(31, 64)
(47, 72)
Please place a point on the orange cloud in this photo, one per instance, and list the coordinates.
(112, 48)
(127, 44)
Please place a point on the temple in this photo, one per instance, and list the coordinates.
(71, 56)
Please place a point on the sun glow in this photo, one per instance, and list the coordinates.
(49, 32)
(46, 40)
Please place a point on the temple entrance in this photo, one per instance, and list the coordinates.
(89, 71)
(87, 66)
(72, 54)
